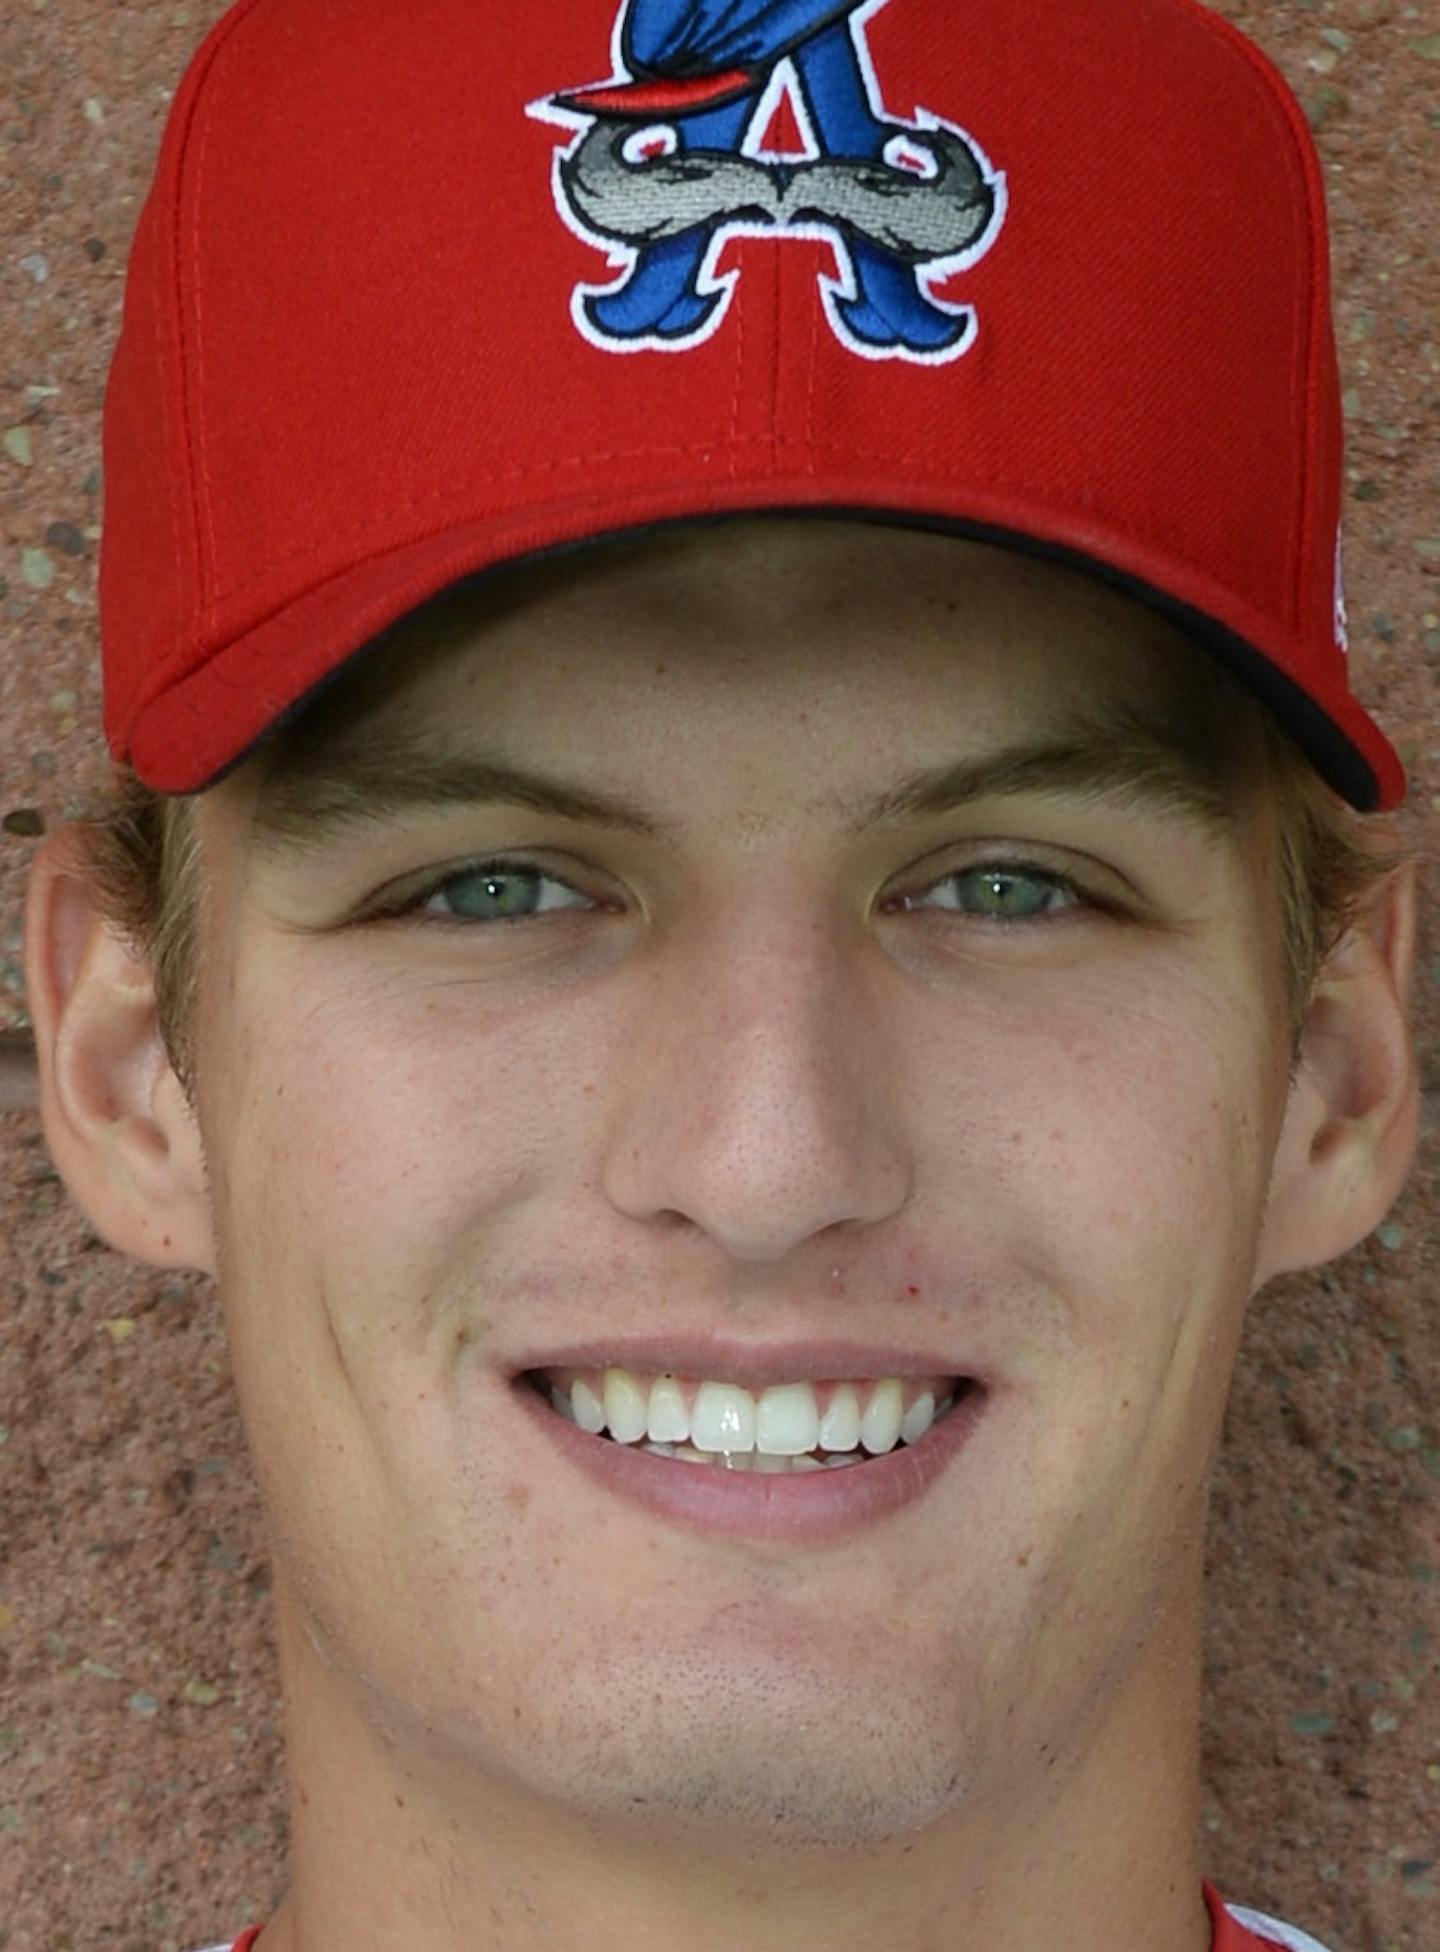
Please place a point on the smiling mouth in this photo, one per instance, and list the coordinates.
(789, 1427)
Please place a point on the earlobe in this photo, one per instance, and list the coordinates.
(1352, 1121)
(119, 1127)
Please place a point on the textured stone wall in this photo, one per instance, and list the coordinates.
(140, 1791)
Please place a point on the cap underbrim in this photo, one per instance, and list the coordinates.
(201, 728)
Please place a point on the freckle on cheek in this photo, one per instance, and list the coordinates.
(517, 1496)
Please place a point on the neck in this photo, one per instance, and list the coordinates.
(1092, 1843)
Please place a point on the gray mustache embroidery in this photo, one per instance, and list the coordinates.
(917, 219)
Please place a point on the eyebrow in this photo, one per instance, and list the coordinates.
(301, 809)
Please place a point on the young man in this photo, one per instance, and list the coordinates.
(738, 1069)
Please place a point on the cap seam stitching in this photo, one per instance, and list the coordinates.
(189, 402)
(1304, 378)
(777, 320)
(207, 608)
(735, 404)
(173, 441)
(817, 310)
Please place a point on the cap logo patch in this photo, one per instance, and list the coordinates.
(678, 152)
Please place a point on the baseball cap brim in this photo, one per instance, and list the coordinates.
(193, 734)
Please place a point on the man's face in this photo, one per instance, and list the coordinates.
(762, 1076)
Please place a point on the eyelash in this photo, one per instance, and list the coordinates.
(1073, 897)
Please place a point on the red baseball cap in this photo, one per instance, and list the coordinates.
(420, 290)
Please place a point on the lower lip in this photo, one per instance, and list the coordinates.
(803, 1507)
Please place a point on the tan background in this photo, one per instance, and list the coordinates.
(140, 1770)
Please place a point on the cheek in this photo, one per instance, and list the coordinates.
(366, 1154)
(375, 1127)
(1103, 1179)
(1113, 1153)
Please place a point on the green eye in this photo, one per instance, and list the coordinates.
(1008, 893)
(494, 891)
(514, 891)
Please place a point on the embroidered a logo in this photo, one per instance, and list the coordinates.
(669, 160)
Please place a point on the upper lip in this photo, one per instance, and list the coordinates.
(753, 1365)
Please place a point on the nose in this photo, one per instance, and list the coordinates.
(761, 1100)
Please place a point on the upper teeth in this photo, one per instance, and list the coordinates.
(783, 1421)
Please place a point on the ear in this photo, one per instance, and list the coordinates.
(1352, 1120)
(118, 1124)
